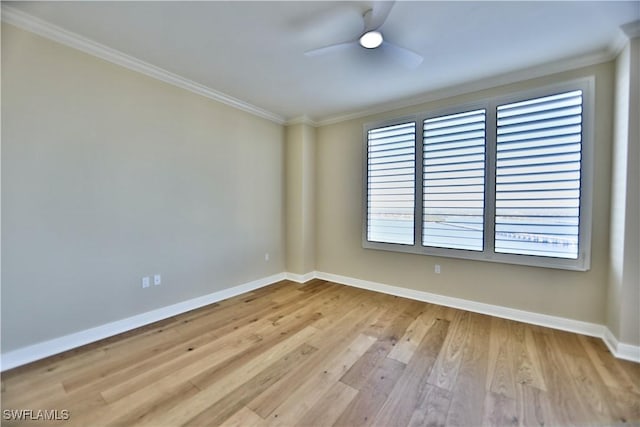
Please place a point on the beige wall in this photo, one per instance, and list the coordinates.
(623, 318)
(108, 176)
(300, 198)
(575, 295)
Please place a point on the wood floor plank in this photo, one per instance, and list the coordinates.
(526, 363)
(217, 390)
(327, 354)
(123, 375)
(217, 351)
(445, 371)
(626, 406)
(607, 366)
(467, 402)
(500, 377)
(534, 407)
(568, 343)
(142, 403)
(387, 339)
(410, 388)
(353, 299)
(245, 417)
(329, 407)
(122, 362)
(567, 407)
(433, 409)
(327, 342)
(372, 394)
(325, 376)
(322, 294)
(21, 397)
(150, 410)
(396, 308)
(590, 387)
(264, 342)
(235, 400)
(408, 343)
(499, 410)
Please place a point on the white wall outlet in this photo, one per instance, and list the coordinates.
(437, 269)
(266, 256)
(145, 282)
(157, 279)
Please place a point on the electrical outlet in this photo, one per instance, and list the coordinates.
(157, 279)
(437, 269)
(145, 282)
(266, 256)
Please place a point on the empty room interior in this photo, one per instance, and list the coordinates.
(316, 213)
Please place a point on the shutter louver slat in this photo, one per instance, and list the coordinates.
(391, 184)
(453, 181)
(539, 154)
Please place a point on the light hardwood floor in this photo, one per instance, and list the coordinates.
(323, 354)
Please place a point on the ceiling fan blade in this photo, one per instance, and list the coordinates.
(340, 22)
(405, 56)
(331, 49)
(378, 15)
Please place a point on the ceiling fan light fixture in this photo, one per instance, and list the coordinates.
(371, 39)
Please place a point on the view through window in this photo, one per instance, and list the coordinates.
(500, 182)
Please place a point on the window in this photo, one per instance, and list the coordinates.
(391, 158)
(503, 180)
(539, 145)
(453, 181)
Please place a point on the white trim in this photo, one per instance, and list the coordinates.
(546, 320)
(478, 85)
(627, 351)
(490, 105)
(54, 346)
(631, 29)
(626, 32)
(301, 278)
(45, 29)
(619, 350)
(304, 119)
(48, 348)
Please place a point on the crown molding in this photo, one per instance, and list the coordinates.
(45, 29)
(301, 120)
(627, 32)
(560, 66)
(631, 29)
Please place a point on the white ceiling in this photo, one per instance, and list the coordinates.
(254, 51)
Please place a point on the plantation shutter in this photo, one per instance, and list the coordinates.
(391, 184)
(453, 181)
(538, 163)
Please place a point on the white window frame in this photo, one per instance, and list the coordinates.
(583, 261)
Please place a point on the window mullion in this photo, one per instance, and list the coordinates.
(419, 191)
(490, 181)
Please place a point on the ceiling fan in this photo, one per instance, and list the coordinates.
(372, 38)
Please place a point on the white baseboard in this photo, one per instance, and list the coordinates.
(301, 278)
(619, 350)
(54, 346)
